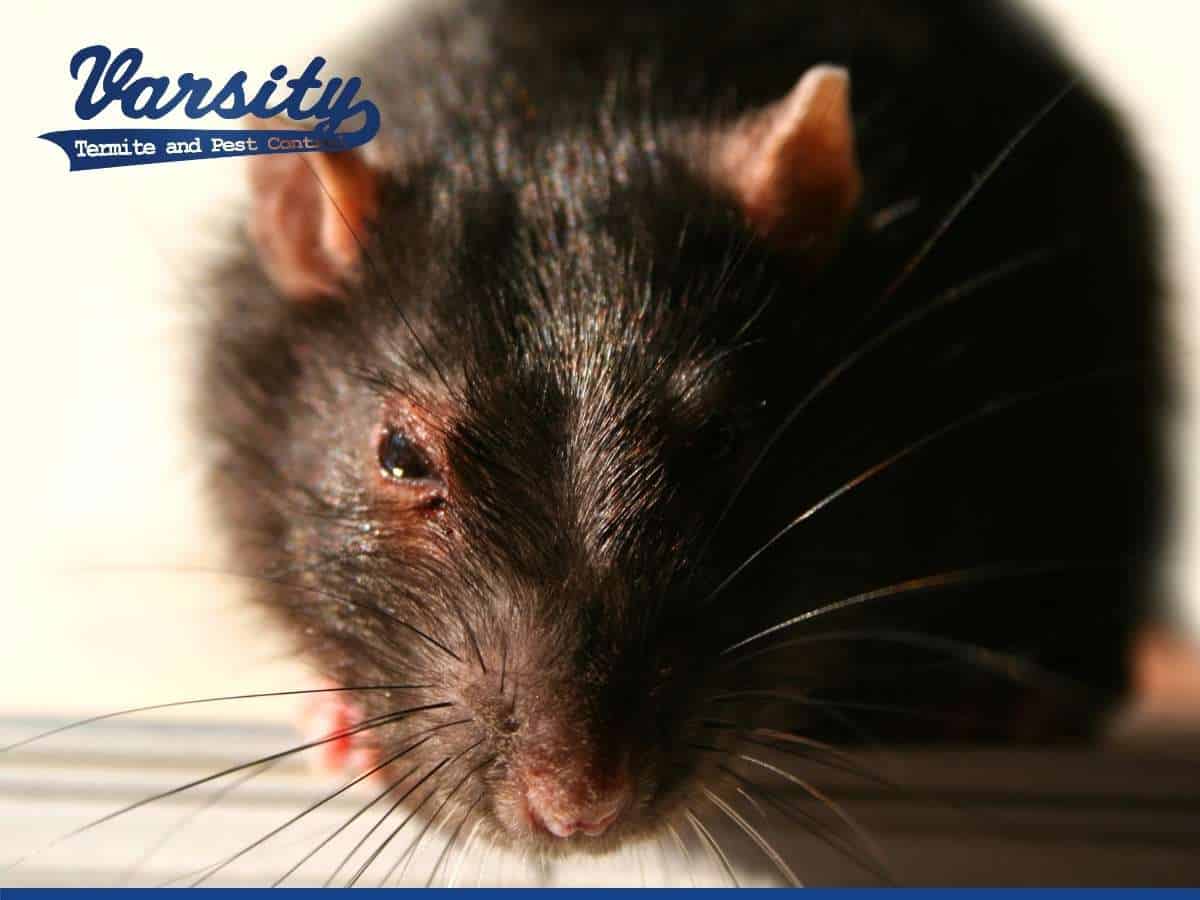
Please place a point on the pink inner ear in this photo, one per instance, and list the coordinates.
(310, 213)
(350, 203)
(792, 165)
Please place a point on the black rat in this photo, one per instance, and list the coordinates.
(670, 379)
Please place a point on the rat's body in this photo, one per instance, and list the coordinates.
(578, 331)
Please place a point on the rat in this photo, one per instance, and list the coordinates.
(667, 380)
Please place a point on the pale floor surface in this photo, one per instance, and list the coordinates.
(1130, 815)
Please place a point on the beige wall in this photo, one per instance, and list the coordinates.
(102, 542)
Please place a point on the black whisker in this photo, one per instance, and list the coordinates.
(429, 639)
(453, 838)
(802, 699)
(752, 803)
(683, 850)
(472, 638)
(171, 832)
(984, 412)
(362, 247)
(830, 757)
(319, 803)
(467, 846)
(156, 706)
(503, 660)
(391, 809)
(939, 581)
(485, 857)
(711, 842)
(360, 812)
(217, 867)
(365, 725)
(836, 808)
(948, 297)
(750, 831)
(1014, 668)
(391, 787)
(814, 826)
(858, 832)
(664, 859)
(967, 198)
(450, 760)
(408, 855)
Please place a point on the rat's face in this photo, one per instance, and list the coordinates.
(501, 445)
(516, 497)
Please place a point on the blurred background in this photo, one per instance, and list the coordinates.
(110, 583)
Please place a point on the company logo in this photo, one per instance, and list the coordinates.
(113, 82)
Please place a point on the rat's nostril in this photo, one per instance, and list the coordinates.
(564, 808)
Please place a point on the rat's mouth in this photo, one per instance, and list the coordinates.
(588, 825)
(587, 829)
(559, 818)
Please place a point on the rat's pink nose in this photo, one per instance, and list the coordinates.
(564, 807)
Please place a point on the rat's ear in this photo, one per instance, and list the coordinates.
(309, 212)
(791, 166)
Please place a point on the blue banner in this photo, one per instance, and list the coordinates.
(105, 148)
(114, 81)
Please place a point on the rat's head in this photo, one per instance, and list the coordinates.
(486, 409)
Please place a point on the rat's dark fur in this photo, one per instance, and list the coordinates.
(592, 350)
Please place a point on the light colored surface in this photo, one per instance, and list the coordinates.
(997, 817)
(80, 776)
(105, 560)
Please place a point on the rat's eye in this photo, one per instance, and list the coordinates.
(401, 459)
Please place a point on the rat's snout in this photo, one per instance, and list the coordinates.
(567, 773)
(568, 801)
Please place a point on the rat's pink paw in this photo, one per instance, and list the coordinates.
(331, 713)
